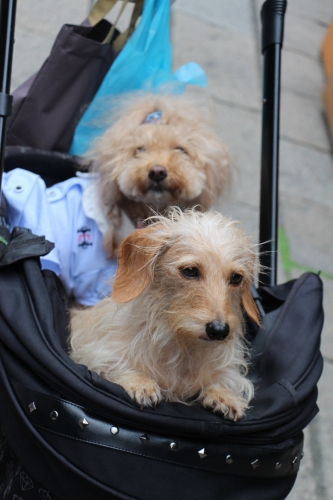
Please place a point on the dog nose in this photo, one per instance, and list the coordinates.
(217, 331)
(157, 173)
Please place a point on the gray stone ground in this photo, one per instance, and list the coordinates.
(223, 37)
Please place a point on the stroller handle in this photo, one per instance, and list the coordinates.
(272, 18)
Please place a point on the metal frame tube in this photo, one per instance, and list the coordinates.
(7, 25)
(270, 164)
(272, 17)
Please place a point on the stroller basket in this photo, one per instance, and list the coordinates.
(82, 433)
(69, 434)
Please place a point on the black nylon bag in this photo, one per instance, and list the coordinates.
(48, 106)
(78, 436)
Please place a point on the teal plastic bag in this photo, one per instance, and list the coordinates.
(143, 64)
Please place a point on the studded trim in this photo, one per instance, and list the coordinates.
(75, 422)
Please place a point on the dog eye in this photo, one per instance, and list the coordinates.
(181, 150)
(235, 279)
(140, 150)
(190, 272)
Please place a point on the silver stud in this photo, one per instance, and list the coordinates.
(32, 407)
(54, 415)
(144, 439)
(278, 465)
(83, 423)
(229, 459)
(294, 460)
(114, 430)
(173, 446)
(255, 463)
(202, 453)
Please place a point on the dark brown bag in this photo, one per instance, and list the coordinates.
(48, 106)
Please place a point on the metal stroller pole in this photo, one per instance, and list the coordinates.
(7, 22)
(272, 17)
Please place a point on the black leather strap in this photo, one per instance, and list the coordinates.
(75, 422)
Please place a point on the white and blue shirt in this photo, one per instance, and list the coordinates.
(66, 217)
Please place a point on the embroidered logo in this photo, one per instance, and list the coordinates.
(84, 237)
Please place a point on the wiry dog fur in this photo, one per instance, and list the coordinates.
(151, 336)
(132, 156)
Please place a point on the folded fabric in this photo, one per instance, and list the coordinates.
(57, 213)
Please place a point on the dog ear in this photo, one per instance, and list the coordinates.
(249, 304)
(133, 272)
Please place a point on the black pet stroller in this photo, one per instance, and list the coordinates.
(69, 434)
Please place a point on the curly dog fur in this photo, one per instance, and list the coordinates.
(142, 162)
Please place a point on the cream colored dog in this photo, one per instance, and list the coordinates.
(174, 326)
(160, 150)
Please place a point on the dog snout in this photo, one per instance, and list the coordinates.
(157, 173)
(217, 330)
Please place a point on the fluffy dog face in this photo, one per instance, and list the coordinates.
(199, 269)
(177, 159)
(160, 168)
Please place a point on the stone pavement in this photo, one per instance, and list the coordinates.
(223, 37)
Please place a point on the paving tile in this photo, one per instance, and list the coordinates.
(235, 16)
(303, 120)
(302, 74)
(305, 173)
(47, 16)
(229, 59)
(241, 131)
(320, 11)
(303, 35)
(309, 234)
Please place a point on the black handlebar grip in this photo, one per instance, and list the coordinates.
(272, 20)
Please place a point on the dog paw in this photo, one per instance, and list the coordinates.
(143, 391)
(225, 403)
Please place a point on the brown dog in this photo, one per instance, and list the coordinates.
(161, 150)
(173, 328)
